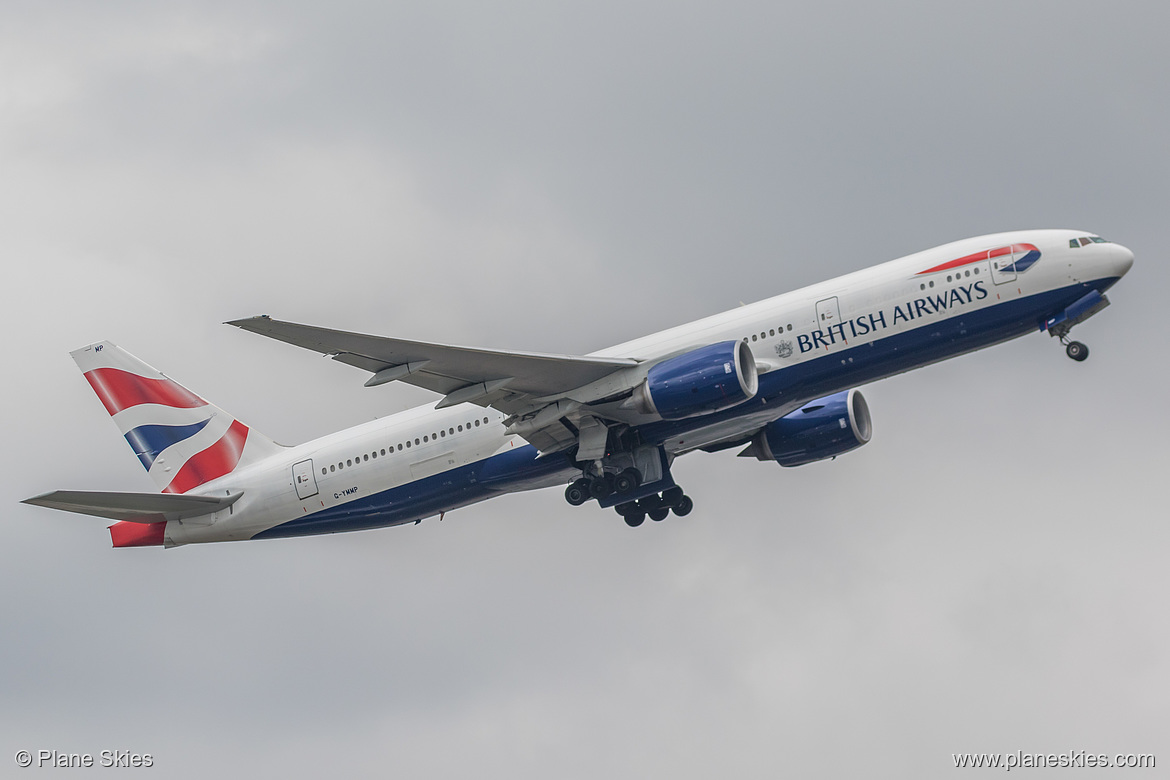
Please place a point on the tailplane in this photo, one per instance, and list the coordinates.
(182, 440)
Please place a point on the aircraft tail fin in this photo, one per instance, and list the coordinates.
(182, 440)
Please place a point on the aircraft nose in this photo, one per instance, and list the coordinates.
(1122, 259)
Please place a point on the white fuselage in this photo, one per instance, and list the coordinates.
(820, 339)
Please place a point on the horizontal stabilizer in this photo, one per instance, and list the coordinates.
(134, 507)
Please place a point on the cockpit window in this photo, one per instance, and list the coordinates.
(1084, 241)
(1072, 242)
(1098, 240)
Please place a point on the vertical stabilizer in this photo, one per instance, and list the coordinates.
(182, 440)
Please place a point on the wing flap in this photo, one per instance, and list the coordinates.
(134, 507)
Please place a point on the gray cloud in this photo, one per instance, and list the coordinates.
(984, 576)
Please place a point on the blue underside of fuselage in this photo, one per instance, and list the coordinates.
(842, 368)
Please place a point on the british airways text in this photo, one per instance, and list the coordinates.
(911, 310)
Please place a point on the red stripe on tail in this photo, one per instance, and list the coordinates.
(120, 390)
(213, 462)
(126, 534)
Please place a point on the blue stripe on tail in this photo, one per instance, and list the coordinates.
(149, 440)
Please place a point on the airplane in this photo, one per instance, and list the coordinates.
(777, 378)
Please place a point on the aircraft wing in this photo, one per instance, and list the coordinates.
(513, 382)
(134, 507)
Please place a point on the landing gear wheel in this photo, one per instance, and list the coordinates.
(1076, 350)
(627, 508)
(577, 493)
(671, 496)
(635, 519)
(627, 482)
(600, 487)
(684, 507)
(659, 514)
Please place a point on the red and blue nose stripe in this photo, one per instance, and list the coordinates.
(1027, 255)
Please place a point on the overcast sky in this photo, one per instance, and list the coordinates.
(989, 574)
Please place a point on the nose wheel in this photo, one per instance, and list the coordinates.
(1076, 350)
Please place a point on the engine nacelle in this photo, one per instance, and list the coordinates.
(702, 381)
(824, 428)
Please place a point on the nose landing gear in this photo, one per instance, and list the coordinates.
(1076, 350)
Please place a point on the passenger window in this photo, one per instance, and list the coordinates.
(400, 447)
(348, 462)
(331, 468)
(477, 423)
(416, 442)
(753, 337)
(443, 434)
(323, 470)
(425, 440)
(366, 458)
(384, 452)
(461, 429)
(408, 445)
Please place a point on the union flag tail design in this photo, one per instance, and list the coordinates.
(182, 440)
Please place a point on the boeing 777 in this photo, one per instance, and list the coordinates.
(777, 378)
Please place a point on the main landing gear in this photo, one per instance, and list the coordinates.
(656, 506)
(604, 486)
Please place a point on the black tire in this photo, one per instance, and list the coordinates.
(671, 496)
(577, 493)
(627, 508)
(600, 487)
(649, 503)
(659, 514)
(684, 506)
(635, 519)
(627, 482)
(1077, 351)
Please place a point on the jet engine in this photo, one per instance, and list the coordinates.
(824, 428)
(702, 381)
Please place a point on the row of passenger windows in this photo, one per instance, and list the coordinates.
(1083, 240)
(406, 445)
(770, 332)
(956, 277)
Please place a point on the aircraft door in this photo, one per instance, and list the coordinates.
(304, 479)
(828, 313)
(1003, 266)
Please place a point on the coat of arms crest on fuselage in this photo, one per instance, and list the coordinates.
(784, 349)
